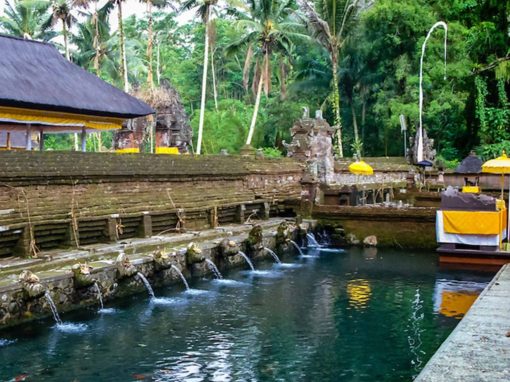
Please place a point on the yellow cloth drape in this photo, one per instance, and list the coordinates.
(20, 115)
(167, 150)
(474, 222)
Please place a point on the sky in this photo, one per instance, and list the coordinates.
(130, 7)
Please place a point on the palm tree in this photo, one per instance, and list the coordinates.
(110, 4)
(27, 19)
(268, 29)
(204, 8)
(150, 36)
(329, 22)
(94, 21)
(61, 11)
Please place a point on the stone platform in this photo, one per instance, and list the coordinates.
(478, 350)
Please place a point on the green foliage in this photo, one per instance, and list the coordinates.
(451, 164)
(226, 128)
(490, 151)
(279, 118)
(378, 67)
(272, 152)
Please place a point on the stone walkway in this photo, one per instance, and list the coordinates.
(478, 350)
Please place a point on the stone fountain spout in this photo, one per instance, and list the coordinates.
(194, 254)
(255, 239)
(162, 260)
(124, 266)
(284, 233)
(31, 285)
(82, 275)
(229, 247)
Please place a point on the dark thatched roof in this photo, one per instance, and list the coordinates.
(470, 165)
(35, 75)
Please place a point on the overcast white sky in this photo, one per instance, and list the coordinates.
(129, 8)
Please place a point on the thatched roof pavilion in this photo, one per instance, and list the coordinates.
(41, 91)
(471, 164)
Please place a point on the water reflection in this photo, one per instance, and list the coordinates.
(453, 298)
(353, 316)
(359, 293)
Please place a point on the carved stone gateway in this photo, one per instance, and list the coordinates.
(429, 153)
(312, 143)
(172, 123)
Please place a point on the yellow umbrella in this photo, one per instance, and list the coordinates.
(500, 165)
(361, 168)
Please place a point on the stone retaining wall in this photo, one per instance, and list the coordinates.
(66, 199)
(412, 227)
(16, 307)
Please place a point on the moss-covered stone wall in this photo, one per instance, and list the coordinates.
(412, 227)
(58, 199)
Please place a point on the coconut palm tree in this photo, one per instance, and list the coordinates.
(268, 28)
(329, 23)
(61, 11)
(27, 19)
(203, 10)
(150, 35)
(108, 7)
(94, 21)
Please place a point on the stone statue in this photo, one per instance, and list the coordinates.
(229, 247)
(194, 254)
(255, 237)
(31, 284)
(284, 233)
(162, 260)
(124, 267)
(82, 275)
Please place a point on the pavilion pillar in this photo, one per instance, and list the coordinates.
(41, 140)
(83, 139)
(28, 141)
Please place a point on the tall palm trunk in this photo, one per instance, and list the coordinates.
(150, 40)
(158, 71)
(204, 85)
(215, 90)
(96, 39)
(122, 44)
(66, 44)
(264, 70)
(336, 103)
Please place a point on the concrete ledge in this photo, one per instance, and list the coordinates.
(478, 350)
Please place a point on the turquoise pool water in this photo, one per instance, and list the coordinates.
(362, 315)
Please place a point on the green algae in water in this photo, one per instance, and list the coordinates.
(353, 316)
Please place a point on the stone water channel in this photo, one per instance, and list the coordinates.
(333, 315)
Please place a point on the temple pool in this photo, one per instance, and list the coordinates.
(362, 315)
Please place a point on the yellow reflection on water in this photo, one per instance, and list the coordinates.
(456, 303)
(359, 293)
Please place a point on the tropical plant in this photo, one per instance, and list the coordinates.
(61, 12)
(204, 8)
(329, 23)
(27, 19)
(267, 29)
(94, 43)
(123, 70)
(150, 36)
